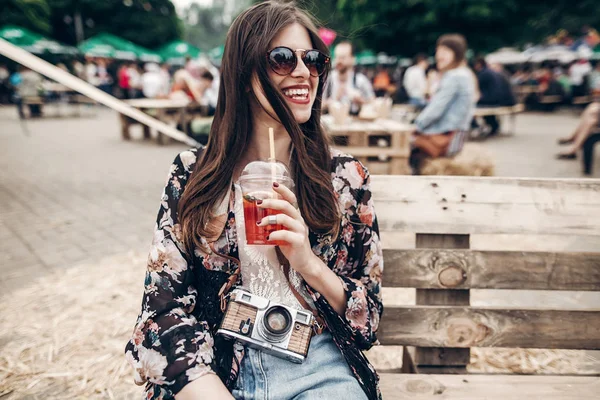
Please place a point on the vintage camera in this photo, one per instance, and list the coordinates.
(274, 328)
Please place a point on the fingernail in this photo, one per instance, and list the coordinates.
(275, 184)
(259, 202)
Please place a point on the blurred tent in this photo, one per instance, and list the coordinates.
(385, 59)
(176, 51)
(97, 46)
(506, 55)
(366, 57)
(34, 42)
(558, 53)
(111, 46)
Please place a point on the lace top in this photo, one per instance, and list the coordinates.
(262, 274)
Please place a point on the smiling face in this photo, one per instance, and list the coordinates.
(298, 88)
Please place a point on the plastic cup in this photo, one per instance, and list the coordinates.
(256, 182)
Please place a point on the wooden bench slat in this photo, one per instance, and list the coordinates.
(470, 269)
(373, 151)
(472, 205)
(489, 387)
(463, 327)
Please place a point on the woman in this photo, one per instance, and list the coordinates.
(269, 79)
(589, 123)
(442, 125)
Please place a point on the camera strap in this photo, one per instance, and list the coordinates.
(319, 324)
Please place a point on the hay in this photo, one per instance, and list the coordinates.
(63, 336)
(531, 361)
(473, 160)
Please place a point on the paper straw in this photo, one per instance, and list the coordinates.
(272, 149)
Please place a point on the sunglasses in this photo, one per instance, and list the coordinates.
(283, 61)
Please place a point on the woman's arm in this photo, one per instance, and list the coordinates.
(359, 270)
(169, 347)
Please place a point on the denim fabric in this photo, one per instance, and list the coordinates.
(323, 375)
(451, 108)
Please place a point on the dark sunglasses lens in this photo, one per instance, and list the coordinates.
(316, 62)
(282, 60)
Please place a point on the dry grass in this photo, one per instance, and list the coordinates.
(473, 160)
(63, 337)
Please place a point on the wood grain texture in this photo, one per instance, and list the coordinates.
(452, 359)
(472, 205)
(488, 387)
(468, 269)
(463, 327)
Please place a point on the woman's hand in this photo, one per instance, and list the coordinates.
(297, 250)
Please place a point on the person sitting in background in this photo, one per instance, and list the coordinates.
(588, 124)
(209, 95)
(165, 80)
(152, 81)
(345, 85)
(442, 126)
(415, 81)
(30, 85)
(382, 81)
(495, 91)
(578, 73)
(123, 77)
(135, 81)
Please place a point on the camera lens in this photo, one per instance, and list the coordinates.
(277, 320)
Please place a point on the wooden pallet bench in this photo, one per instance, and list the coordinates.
(427, 224)
(509, 111)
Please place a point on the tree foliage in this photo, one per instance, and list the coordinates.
(406, 27)
(29, 14)
(149, 23)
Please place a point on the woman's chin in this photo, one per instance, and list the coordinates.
(301, 116)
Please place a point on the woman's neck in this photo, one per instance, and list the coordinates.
(259, 147)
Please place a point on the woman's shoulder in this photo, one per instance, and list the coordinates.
(348, 169)
(187, 159)
(461, 73)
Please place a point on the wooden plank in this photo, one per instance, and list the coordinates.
(488, 387)
(365, 151)
(451, 359)
(463, 205)
(469, 269)
(463, 327)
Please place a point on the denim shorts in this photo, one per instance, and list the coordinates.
(323, 375)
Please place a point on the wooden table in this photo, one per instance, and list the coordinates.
(165, 110)
(358, 132)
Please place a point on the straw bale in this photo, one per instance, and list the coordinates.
(473, 160)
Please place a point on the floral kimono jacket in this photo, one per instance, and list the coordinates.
(174, 339)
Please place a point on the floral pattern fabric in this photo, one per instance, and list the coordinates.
(173, 342)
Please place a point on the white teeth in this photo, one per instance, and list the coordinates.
(296, 92)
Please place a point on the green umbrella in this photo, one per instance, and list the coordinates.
(120, 44)
(366, 57)
(33, 42)
(107, 45)
(176, 51)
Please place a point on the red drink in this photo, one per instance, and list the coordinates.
(253, 214)
(256, 181)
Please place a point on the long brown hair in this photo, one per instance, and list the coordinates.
(246, 47)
